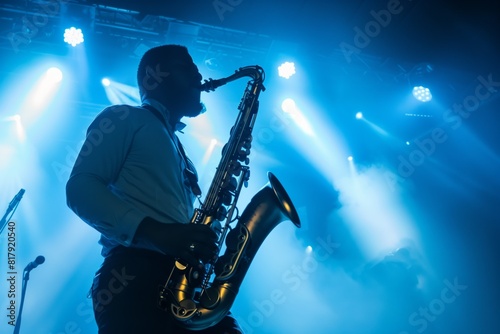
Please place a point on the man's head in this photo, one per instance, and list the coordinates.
(168, 74)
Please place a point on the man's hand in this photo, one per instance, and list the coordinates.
(188, 242)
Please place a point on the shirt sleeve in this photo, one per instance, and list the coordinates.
(89, 189)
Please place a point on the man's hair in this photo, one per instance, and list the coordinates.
(158, 60)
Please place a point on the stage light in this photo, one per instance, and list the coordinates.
(288, 105)
(54, 75)
(349, 158)
(73, 36)
(286, 70)
(408, 143)
(422, 93)
(105, 82)
(359, 115)
(420, 78)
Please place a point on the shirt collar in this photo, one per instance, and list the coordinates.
(179, 126)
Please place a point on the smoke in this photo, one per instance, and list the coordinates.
(375, 213)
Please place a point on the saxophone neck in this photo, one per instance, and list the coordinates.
(255, 72)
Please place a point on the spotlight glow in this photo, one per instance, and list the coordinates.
(21, 135)
(44, 90)
(73, 36)
(54, 75)
(209, 152)
(288, 105)
(349, 158)
(18, 126)
(119, 93)
(286, 70)
(359, 115)
(422, 94)
(15, 118)
(7, 152)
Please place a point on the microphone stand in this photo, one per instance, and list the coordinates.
(26, 273)
(26, 277)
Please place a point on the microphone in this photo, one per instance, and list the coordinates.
(20, 194)
(32, 265)
(17, 198)
(12, 206)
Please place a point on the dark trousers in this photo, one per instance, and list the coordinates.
(125, 295)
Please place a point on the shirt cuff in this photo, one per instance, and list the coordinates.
(128, 226)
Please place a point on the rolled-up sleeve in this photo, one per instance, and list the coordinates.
(89, 190)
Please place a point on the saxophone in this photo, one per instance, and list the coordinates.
(199, 297)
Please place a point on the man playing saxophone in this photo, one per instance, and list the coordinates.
(133, 183)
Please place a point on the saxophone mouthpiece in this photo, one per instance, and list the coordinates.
(211, 85)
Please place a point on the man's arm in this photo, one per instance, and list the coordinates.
(98, 164)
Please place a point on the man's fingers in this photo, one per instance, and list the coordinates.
(203, 233)
(190, 258)
(204, 252)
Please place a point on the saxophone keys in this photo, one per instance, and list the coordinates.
(230, 184)
(221, 213)
(247, 144)
(227, 198)
(235, 167)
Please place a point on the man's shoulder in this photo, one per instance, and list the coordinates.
(123, 115)
(126, 113)
(121, 111)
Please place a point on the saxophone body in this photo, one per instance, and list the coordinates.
(200, 297)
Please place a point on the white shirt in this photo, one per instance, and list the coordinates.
(129, 167)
